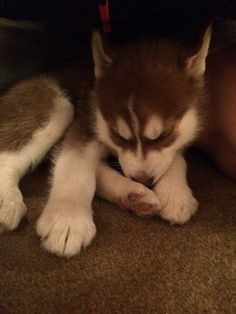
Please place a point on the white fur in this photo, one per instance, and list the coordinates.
(134, 119)
(14, 164)
(123, 129)
(177, 201)
(188, 129)
(66, 224)
(136, 126)
(153, 128)
(153, 165)
(122, 188)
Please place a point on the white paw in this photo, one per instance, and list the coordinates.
(65, 232)
(12, 208)
(177, 204)
(138, 198)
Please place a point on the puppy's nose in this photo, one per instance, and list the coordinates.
(144, 179)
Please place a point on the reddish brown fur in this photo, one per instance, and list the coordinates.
(27, 106)
(154, 74)
(24, 109)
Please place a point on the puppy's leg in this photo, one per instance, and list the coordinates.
(177, 201)
(128, 194)
(66, 223)
(22, 145)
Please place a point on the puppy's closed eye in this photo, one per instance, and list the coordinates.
(166, 138)
(121, 140)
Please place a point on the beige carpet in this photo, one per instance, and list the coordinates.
(134, 265)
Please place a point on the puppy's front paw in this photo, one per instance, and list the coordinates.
(65, 232)
(138, 198)
(177, 203)
(12, 208)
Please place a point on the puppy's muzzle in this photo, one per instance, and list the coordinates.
(144, 179)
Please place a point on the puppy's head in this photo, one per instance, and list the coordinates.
(147, 98)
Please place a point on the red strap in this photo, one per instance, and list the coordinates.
(105, 16)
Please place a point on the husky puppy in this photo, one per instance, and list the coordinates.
(142, 106)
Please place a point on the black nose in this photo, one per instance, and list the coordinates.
(144, 179)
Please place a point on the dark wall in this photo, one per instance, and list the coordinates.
(127, 16)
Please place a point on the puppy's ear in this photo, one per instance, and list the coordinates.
(196, 64)
(101, 60)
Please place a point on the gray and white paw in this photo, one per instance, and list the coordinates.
(65, 232)
(177, 204)
(139, 199)
(12, 209)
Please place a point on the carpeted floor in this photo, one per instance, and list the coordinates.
(134, 265)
